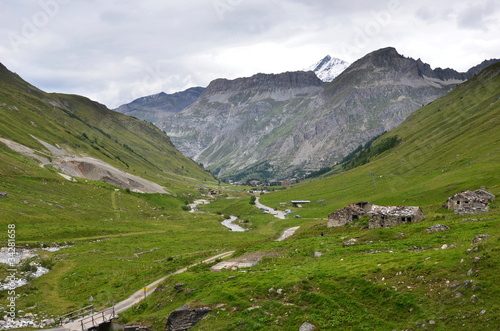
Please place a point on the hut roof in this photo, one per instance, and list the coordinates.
(395, 210)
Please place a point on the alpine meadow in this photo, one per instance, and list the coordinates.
(108, 226)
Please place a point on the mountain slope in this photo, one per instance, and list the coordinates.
(152, 108)
(265, 127)
(57, 126)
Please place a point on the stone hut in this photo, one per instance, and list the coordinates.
(346, 215)
(380, 216)
(470, 202)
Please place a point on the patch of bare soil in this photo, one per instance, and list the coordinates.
(85, 167)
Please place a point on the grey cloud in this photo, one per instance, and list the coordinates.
(115, 50)
(476, 16)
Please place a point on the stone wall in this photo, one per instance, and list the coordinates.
(346, 215)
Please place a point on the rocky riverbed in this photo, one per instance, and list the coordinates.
(22, 265)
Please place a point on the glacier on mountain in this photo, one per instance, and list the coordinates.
(328, 68)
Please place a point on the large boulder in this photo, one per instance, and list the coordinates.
(184, 318)
(306, 326)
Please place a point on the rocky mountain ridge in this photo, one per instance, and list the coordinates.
(270, 126)
(152, 108)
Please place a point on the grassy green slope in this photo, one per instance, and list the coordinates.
(391, 278)
(83, 126)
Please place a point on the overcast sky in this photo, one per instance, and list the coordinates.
(114, 51)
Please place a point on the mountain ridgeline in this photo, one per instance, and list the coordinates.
(153, 107)
(274, 126)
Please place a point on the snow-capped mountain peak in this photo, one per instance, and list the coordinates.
(328, 68)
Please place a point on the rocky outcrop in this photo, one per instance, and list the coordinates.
(184, 318)
(437, 228)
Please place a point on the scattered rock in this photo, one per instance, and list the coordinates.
(3, 195)
(437, 228)
(350, 242)
(179, 287)
(306, 326)
(184, 317)
(432, 322)
(482, 312)
(444, 246)
(470, 250)
(458, 295)
(48, 322)
(279, 291)
(317, 254)
(467, 282)
(469, 272)
(465, 220)
(479, 238)
(253, 307)
(191, 290)
(473, 298)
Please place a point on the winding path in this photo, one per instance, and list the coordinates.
(277, 213)
(281, 215)
(288, 233)
(139, 295)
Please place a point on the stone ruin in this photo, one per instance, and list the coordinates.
(470, 202)
(379, 216)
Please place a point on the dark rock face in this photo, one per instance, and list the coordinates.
(276, 126)
(265, 82)
(154, 107)
(184, 318)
